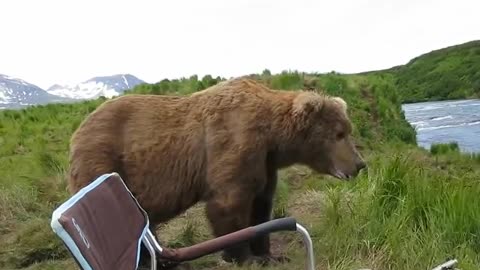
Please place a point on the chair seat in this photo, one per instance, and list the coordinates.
(102, 225)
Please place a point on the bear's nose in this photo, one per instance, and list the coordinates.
(361, 165)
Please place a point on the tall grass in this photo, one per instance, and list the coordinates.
(443, 148)
(405, 215)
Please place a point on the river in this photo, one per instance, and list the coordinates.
(446, 121)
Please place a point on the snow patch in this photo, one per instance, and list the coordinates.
(126, 81)
(3, 96)
(85, 90)
(109, 87)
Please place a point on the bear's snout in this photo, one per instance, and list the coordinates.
(361, 165)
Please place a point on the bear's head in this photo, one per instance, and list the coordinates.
(324, 135)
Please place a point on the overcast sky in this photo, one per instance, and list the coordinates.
(57, 41)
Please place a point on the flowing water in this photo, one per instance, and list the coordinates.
(446, 121)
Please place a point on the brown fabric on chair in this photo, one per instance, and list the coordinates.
(105, 223)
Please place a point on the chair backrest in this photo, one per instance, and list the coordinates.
(102, 225)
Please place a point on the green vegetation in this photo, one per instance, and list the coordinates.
(412, 209)
(452, 150)
(448, 73)
(406, 214)
(443, 148)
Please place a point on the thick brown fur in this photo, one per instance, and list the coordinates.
(222, 146)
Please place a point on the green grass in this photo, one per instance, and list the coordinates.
(411, 210)
(404, 213)
(443, 148)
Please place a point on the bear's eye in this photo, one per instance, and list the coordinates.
(340, 135)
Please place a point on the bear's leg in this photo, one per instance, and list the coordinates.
(227, 212)
(261, 212)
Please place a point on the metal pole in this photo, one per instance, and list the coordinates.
(153, 241)
(153, 257)
(308, 243)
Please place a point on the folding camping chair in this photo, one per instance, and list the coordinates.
(103, 226)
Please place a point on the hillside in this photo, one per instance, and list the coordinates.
(448, 73)
(411, 210)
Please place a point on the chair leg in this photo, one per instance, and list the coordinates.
(151, 250)
(151, 238)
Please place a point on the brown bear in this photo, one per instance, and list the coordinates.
(222, 146)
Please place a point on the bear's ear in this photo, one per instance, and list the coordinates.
(341, 103)
(307, 103)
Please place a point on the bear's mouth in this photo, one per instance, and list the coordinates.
(341, 175)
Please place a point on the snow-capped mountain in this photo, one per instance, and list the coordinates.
(17, 93)
(107, 86)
